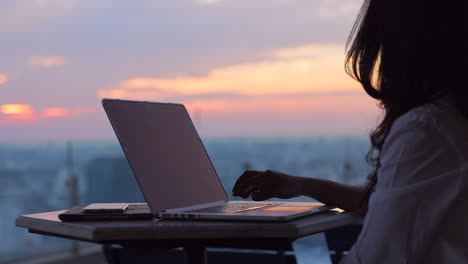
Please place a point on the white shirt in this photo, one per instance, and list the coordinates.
(419, 210)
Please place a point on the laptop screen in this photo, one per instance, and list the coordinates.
(166, 154)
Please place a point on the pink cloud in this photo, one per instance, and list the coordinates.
(3, 79)
(56, 112)
(47, 61)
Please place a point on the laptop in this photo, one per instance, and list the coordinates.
(174, 171)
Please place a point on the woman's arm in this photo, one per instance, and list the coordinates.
(347, 197)
(262, 185)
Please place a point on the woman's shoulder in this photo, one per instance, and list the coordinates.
(426, 142)
(440, 117)
(432, 128)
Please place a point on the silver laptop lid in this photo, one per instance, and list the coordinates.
(165, 153)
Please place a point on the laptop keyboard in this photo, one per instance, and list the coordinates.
(234, 207)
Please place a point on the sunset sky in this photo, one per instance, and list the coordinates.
(243, 68)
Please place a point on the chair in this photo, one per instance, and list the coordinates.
(340, 240)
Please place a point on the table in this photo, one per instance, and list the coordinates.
(193, 236)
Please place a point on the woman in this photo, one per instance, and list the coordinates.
(411, 56)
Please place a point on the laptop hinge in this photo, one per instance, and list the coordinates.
(195, 207)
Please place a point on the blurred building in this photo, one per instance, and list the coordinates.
(110, 179)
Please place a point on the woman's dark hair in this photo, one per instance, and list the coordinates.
(407, 53)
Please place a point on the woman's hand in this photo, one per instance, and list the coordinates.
(262, 185)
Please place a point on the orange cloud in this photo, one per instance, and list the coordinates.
(16, 109)
(3, 79)
(12, 113)
(20, 113)
(297, 70)
(47, 61)
(303, 86)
